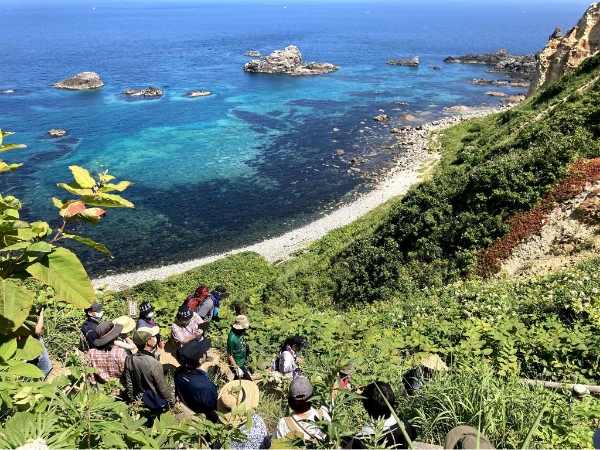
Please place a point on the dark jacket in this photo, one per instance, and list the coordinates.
(88, 330)
(197, 392)
(143, 372)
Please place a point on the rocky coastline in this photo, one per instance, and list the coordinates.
(517, 66)
(289, 62)
(81, 81)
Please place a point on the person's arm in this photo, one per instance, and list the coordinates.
(39, 326)
(128, 380)
(289, 364)
(162, 386)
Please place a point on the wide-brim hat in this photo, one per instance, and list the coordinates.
(220, 292)
(127, 322)
(184, 314)
(348, 370)
(238, 394)
(434, 362)
(241, 323)
(468, 437)
(107, 332)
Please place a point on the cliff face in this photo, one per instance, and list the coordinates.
(562, 54)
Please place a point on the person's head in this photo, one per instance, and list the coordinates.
(432, 363)
(299, 395)
(193, 354)
(220, 292)
(374, 400)
(127, 322)
(346, 372)
(464, 436)
(146, 338)
(146, 310)
(241, 324)
(184, 315)
(241, 395)
(95, 310)
(201, 292)
(296, 343)
(107, 333)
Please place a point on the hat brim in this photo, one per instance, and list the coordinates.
(250, 399)
(110, 336)
(434, 362)
(127, 322)
(222, 296)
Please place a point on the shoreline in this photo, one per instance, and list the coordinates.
(406, 173)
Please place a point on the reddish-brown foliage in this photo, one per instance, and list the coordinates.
(529, 223)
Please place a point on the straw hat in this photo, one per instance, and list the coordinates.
(238, 394)
(127, 322)
(434, 362)
(241, 323)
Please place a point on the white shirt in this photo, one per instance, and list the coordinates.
(287, 364)
(308, 427)
(370, 427)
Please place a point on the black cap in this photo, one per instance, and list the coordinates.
(220, 292)
(191, 352)
(94, 307)
(145, 308)
(298, 340)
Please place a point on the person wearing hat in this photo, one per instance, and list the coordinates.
(414, 378)
(236, 400)
(186, 326)
(144, 376)
(124, 341)
(193, 387)
(579, 391)
(88, 328)
(107, 358)
(466, 437)
(376, 397)
(289, 356)
(343, 379)
(220, 293)
(145, 318)
(303, 417)
(237, 348)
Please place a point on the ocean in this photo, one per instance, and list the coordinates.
(264, 153)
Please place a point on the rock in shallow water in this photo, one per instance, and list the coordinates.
(151, 91)
(83, 80)
(288, 61)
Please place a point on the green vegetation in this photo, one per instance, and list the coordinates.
(380, 292)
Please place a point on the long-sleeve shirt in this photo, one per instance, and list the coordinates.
(109, 363)
(143, 372)
(182, 332)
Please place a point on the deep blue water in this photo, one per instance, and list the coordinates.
(259, 156)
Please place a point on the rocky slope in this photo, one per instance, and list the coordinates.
(563, 54)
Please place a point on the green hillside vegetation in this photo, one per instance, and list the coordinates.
(402, 281)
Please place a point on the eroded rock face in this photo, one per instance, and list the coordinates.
(414, 61)
(521, 66)
(83, 80)
(565, 53)
(288, 61)
(150, 91)
(589, 210)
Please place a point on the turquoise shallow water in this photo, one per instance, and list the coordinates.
(259, 156)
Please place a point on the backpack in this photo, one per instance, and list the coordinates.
(275, 362)
(192, 302)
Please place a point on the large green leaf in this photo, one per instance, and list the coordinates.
(83, 177)
(88, 242)
(63, 271)
(75, 190)
(106, 200)
(7, 147)
(8, 347)
(28, 349)
(120, 186)
(24, 369)
(15, 302)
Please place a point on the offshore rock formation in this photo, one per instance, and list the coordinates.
(253, 53)
(55, 132)
(288, 61)
(194, 94)
(565, 53)
(520, 66)
(414, 61)
(151, 91)
(83, 80)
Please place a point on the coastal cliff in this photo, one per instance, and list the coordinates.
(565, 53)
(288, 61)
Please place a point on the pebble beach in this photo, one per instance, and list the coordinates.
(409, 170)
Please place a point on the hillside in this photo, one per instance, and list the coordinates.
(426, 273)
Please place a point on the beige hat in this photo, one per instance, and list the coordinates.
(143, 334)
(236, 398)
(241, 323)
(580, 390)
(127, 322)
(434, 362)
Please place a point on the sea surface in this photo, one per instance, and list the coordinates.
(262, 154)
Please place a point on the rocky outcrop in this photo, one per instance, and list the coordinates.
(521, 66)
(495, 94)
(565, 53)
(288, 61)
(150, 91)
(54, 132)
(589, 210)
(194, 94)
(83, 80)
(382, 118)
(414, 61)
(253, 53)
(488, 82)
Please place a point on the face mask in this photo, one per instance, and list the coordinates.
(99, 314)
(149, 315)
